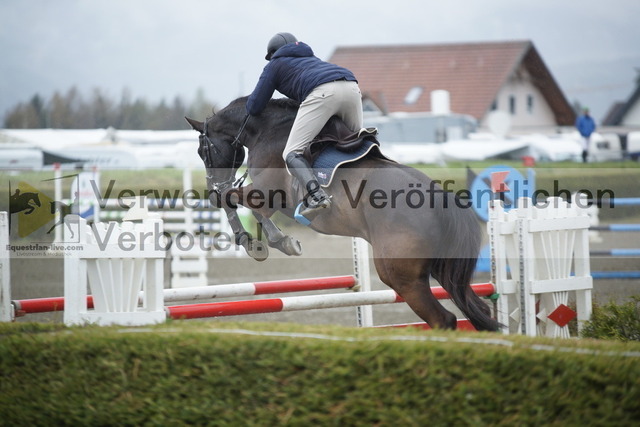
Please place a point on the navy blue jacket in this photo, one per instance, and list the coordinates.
(294, 72)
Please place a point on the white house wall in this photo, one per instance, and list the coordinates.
(519, 86)
(632, 118)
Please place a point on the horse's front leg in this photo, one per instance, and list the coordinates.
(228, 201)
(262, 206)
(276, 238)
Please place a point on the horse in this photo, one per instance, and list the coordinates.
(23, 202)
(64, 210)
(416, 230)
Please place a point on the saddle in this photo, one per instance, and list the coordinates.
(336, 133)
(337, 145)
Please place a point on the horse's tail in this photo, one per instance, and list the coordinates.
(456, 261)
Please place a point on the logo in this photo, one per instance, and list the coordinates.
(33, 213)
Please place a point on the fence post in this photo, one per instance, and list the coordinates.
(57, 181)
(582, 264)
(6, 311)
(363, 277)
(540, 244)
(187, 196)
(75, 274)
(526, 263)
(505, 288)
(117, 262)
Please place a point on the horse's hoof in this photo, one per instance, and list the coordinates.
(288, 246)
(257, 250)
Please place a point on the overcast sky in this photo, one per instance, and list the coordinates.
(162, 48)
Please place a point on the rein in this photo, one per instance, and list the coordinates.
(236, 142)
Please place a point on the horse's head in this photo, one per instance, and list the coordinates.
(33, 197)
(217, 150)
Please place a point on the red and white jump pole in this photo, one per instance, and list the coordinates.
(45, 305)
(297, 303)
(271, 305)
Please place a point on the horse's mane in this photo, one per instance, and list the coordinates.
(283, 104)
(276, 107)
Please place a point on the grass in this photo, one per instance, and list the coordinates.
(280, 374)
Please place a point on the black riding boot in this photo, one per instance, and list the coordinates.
(316, 198)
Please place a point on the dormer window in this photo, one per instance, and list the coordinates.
(413, 95)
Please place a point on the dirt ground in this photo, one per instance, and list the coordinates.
(323, 256)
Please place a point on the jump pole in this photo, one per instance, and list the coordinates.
(634, 252)
(622, 201)
(628, 252)
(298, 303)
(616, 227)
(615, 274)
(46, 305)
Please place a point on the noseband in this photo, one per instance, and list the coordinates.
(206, 145)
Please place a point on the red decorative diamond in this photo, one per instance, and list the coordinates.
(562, 315)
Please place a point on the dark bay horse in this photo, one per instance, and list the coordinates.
(22, 202)
(416, 230)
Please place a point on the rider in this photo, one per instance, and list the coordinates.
(323, 90)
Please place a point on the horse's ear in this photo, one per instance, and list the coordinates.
(195, 125)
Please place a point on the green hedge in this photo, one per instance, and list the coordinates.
(615, 321)
(188, 373)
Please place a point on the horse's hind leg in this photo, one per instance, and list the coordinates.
(55, 225)
(70, 229)
(410, 279)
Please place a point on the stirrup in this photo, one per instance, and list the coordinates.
(307, 211)
(314, 204)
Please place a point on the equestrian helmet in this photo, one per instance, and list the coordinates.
(277, 42)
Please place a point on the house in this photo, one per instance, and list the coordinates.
(623, 121)
(480, 77)
(626, 114)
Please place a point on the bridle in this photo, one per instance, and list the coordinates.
(206, 145)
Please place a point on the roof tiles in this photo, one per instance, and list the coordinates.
(473, 73)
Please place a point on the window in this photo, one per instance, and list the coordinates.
(530, 104)
(413, 95)
(512, 104)
(368, 106)
(494, 105)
